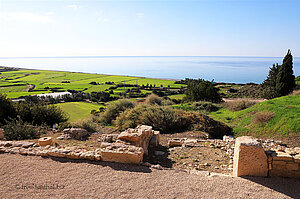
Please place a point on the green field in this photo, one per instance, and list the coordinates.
(285, 121)
(78, 110)
(16, 83)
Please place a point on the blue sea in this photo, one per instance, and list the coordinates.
(219, 69)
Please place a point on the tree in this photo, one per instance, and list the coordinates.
(201, 90)
(285, 81)
(280, 80)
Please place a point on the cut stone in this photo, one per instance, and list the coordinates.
(44, 141)
(175, 142)
(249, 158)
(140, 136)
(281, 156)
(155, 139)
(122, 153)
(292, 166)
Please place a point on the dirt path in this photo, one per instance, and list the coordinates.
(84, 179)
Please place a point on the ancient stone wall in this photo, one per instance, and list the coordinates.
(251, 159)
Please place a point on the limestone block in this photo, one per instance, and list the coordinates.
(281, 156)
(44, 141)
(175, 142)
(5, 143)
(122, 153)
(292, 166)
(76, 133)
(249, 158)
(140, 136)
(297, 158)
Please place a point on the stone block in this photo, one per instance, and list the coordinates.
(292, 166)
(122, 153)
(281, 156)
(279, 162)
(139, 137)
(250, 158)
(44, 141)
(175, 142)
(297, 158)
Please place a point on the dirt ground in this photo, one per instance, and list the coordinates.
(37, 177)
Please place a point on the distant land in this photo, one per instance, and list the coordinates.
(217, 68)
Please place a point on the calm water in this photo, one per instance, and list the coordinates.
(221, 69)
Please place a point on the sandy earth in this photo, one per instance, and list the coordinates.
(85, 179)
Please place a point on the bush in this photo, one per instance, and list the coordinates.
(204, 106)
(39, 114)
(169, 120)
(7, 109)
(87, 124)
(114, 109)
(238, 105)
(154, 99)
(17, 130)
(201, 90)
(263, 117)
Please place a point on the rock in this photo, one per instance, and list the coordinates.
(159, 153)
(76, 133)
(249, 158)
(6, 143)
(155, 139)
(228, 138)
(1, 134)
(199, 173)
(122, 153)
(157, 166)
(175, 142)
(281, 156)
(140, 136)
(23, 144)
(14, 150)
(73, 155)
(44, 141)
(90, 155)
(108, 138)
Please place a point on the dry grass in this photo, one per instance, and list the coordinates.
(239, 104)
(263, 117)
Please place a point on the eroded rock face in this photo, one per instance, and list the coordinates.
(122, 153)
(249, 158)
(76, 133)
(140, 136)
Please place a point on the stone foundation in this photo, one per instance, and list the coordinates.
(250, 159)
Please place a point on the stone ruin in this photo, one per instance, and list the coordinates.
(251, 159)
(129, 146)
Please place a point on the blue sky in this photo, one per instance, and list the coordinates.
(149, 28)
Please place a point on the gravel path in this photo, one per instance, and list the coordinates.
(84, 179)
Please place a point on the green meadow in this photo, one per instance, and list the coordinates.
(17, 83)
(276, 117)
(78, 110)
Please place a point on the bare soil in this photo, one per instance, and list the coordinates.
(37, 177)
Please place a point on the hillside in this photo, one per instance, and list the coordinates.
(276, 117)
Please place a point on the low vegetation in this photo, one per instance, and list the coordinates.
(276, 117)
(238, 105)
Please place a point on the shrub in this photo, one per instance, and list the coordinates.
(154, 99)
(16, 129)
(87, 124)
(201, 90)
(7, 109)
(238, 105)
(169, 120)
(263, 117)
(204, 106)
(114, 109)
(39, 114)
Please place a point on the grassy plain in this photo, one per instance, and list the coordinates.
(15, 83)
(78, 110)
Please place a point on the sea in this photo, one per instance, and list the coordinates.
(212, 68)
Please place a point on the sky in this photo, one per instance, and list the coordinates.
(264, 28)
